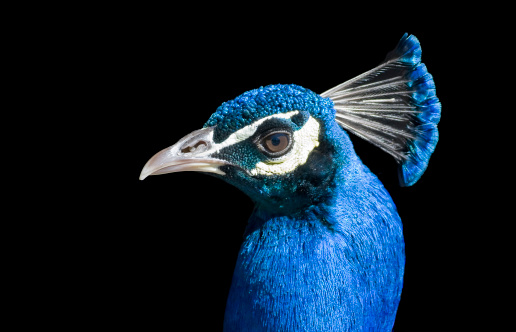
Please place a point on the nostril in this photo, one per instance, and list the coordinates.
(197, 147)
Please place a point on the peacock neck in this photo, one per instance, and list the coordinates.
(332, 266)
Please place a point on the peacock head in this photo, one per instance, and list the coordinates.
(276, 143)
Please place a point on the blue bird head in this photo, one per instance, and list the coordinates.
(279, 144)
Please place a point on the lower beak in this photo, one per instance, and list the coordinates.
(191, 153)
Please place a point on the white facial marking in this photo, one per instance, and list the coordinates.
(305, 140)
(245, 133)
(248, 131)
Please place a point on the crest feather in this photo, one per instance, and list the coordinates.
(393, 106)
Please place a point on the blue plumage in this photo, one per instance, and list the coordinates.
(336, 265)
(323, 249)
(423, 98)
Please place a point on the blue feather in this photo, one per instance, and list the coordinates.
(408, 51)
(393, 106)
(427, 105)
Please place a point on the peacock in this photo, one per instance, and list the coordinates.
(323, 249)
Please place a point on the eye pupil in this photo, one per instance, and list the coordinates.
(276, 142)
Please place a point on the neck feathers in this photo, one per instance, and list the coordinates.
(337, 265)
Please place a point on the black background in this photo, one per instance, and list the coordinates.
(161, 252)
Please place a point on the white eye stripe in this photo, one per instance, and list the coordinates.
(305, 140)
(246, 132)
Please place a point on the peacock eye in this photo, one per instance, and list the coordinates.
(276, 143)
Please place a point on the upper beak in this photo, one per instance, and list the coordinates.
(191, 153)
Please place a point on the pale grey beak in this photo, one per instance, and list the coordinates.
(191, 153)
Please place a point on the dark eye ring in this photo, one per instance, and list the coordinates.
(276, 143)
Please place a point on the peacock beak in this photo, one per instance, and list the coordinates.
(191, 153)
